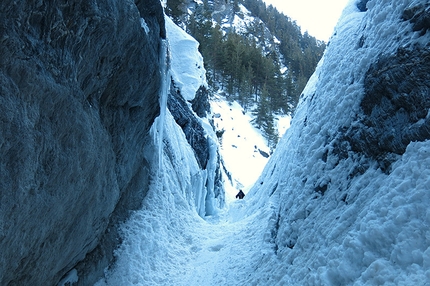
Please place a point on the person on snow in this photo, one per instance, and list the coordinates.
(240, 195)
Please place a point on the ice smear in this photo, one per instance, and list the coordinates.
(144, 26)
(164, 59)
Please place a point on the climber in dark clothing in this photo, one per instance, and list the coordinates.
(240, 195)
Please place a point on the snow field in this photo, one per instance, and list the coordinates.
(180, 248)
(240, 142)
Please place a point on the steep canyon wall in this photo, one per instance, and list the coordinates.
(79, 85)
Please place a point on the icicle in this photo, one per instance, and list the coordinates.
(164, 91)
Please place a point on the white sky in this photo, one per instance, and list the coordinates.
(318, 17)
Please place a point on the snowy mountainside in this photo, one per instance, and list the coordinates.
(350, 179)
(267, 50)
(244, 23)
(238, 19)
(242, 146)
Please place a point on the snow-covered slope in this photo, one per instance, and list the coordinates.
(242, 146)
(350, 180)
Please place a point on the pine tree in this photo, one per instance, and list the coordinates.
(270, 132)
(261, 112)
(246, 90)
(264, 118)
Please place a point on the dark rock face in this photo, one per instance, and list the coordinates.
(395, 106)
(419, 16)
(152, 12)
(394, 111)
(200, 103)
(264, 154)
(361, 5)
(193, 131)
(79, 84)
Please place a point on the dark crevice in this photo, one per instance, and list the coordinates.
(419, 16)
(361, 5)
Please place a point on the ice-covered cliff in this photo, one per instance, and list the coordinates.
(99, 111)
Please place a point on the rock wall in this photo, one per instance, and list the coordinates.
(395, 106)
(79, 85)
(192, 128)
(198, 139)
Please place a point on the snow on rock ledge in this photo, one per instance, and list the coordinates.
(188, 71)
(349, 180)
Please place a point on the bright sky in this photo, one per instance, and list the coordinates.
(318, 17)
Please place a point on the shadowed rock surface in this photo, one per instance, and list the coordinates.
(394, 110)
(196, 135)
(191, 127)
(200, 103)
(395, 106)
(79, 85)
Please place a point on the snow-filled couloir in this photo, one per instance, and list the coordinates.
(344, 199)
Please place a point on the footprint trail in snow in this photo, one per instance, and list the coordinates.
(226, 252)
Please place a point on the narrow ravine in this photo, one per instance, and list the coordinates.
(168, 243)
(224, 249)
(325, 210)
